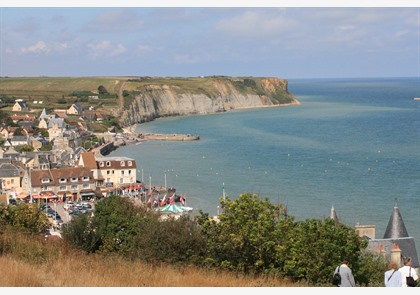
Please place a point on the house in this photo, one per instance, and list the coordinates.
(19, 140)
(75, 109)
(43, 115)
(89, 116)
(11, 154)
(396, 239)
(25, 118)
(111, 173)
(43, 123)
(76, 183)
(10, 177)
(56, 127)
(20, 106)
(396, 243)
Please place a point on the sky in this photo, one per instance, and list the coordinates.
(284, 42)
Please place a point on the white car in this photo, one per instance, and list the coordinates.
(68, 205)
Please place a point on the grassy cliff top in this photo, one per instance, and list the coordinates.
(39, 87)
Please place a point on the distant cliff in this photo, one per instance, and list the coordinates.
(145, 99)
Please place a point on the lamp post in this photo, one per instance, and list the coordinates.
(150, 184)
(165, 180)
(224, 195)
(30, 185)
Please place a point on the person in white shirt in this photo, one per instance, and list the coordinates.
(406, 270)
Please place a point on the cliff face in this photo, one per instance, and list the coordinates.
(149, 101)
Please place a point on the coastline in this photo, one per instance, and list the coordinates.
(130, 130)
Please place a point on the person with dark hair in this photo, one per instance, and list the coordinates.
(392, 277)
(406, 271)
(347, 279)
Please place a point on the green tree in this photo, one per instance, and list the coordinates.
(113, 228)
(45, 133)
(246, 237)
(25, 216)
(315, 247)
(102, 90)
(25, 148)
(19, 132)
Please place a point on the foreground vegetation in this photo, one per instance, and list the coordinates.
(254, 243)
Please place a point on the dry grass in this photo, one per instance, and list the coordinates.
(94, 271)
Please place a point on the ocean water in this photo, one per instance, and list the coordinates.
(353, 144)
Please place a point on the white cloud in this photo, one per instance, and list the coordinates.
(115, 21)
(105, 49)
(185, 59)
(42, 47)
(39, 47)
(145, 48)
(256, 23)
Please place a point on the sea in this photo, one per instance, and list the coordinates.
(352, 144)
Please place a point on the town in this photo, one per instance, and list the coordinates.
(44, 159)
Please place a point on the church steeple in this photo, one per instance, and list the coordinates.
(333, 215)
(396, 227)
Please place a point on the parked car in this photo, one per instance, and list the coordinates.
(68, 205)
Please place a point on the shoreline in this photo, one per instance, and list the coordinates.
(130, 129)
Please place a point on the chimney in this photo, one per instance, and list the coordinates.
(396, 255)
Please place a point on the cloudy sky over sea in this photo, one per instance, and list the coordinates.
(287, 42)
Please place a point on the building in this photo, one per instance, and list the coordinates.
(10, 177)
(75, 183)
(111, 173)
(75, 109)
(396, 237)
(396, 243)
(20, 106)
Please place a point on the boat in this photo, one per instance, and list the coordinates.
(416, 98)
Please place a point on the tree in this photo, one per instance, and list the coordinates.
(315, 247)
(113, 228)
(25, 148)
(25, 216)
(246, 237)
(19, 132)
(102, 90)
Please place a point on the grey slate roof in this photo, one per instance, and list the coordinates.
(396, 227)
(8, 170)
(407, 246)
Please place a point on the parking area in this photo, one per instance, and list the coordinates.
(61, 213)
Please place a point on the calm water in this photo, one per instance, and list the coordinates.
(353, 144)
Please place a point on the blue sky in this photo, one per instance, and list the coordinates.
(284, 42)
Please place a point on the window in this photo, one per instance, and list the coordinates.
(43, 188)
(121, 180)
(107, 172)
(101, 164)
(108, 163)
(86, 185)
(12, 181)
(61, 180)
(122, 172)
(74, 187)
(129, 172)
(130, 163)
(122, 163)
(45, 180)
(73, 179)
(63, 187)
(85, 178)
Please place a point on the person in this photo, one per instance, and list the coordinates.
(347, 279)
(392, 277)
(406, 270)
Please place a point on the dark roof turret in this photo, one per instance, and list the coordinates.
(396, 227)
